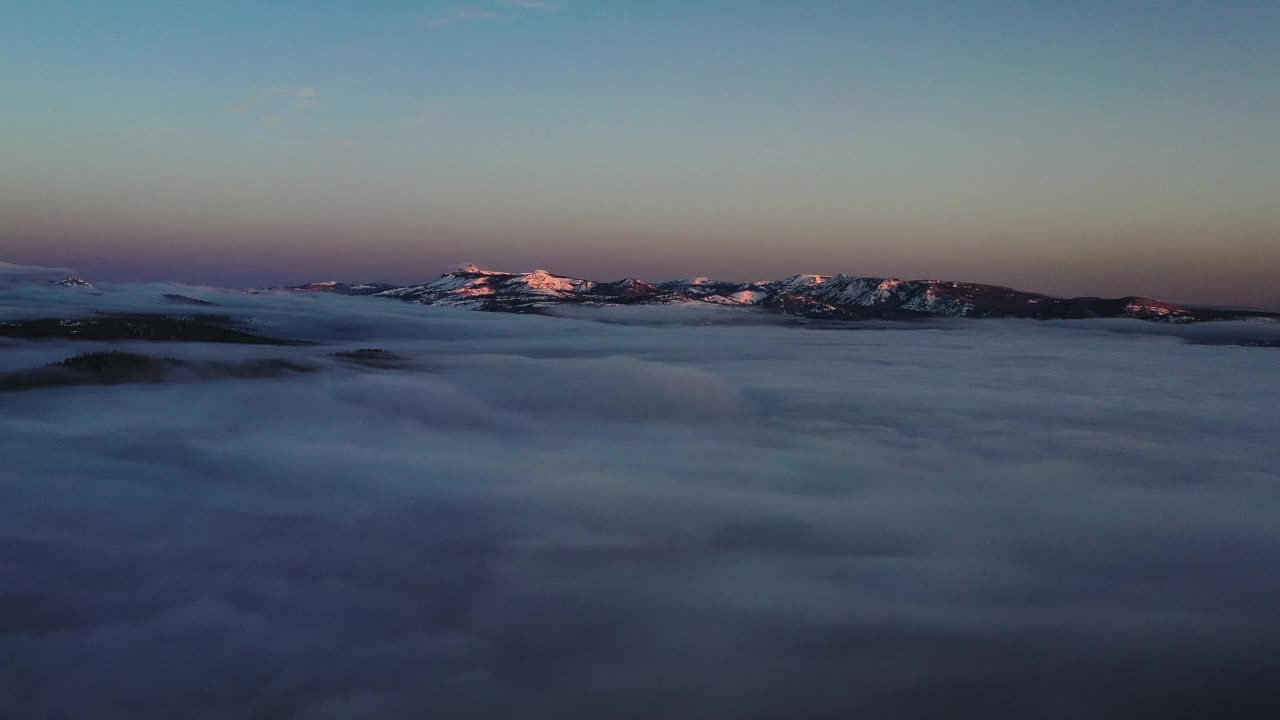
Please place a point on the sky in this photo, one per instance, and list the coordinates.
(1075, 148)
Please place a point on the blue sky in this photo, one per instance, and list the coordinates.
(1072, 147)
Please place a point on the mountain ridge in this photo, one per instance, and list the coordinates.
(835, 297)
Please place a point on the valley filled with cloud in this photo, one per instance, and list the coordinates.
(633, 513)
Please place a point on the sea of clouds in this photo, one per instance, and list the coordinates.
(639, 513)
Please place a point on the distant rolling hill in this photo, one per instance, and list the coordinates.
(837, 297)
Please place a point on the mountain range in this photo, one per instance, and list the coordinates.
(834, 297)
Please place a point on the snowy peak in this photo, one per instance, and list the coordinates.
(740, 297)
(474, 287)
(78, 283)
(796, 282)
(541, 280)
(473, 269)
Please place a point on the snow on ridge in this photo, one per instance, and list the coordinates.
(804, 280)
(542, 280)
(742, 297)
(838, 296)
(76, 282)
(473, 269)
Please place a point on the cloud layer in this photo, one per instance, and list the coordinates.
(478, 13)
(275, 100)
(643, 517)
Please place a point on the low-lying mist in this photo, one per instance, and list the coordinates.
(632, 515)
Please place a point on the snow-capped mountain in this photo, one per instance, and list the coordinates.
(473, 287)
(843, 297)
(76, 282)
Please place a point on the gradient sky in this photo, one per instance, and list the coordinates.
(1069, 147)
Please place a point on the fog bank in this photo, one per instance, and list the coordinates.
(635, 516)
